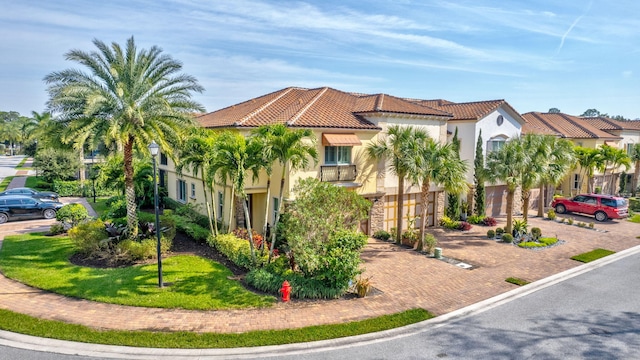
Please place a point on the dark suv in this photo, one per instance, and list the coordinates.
(16, 207)
(603, 207)
(40, 195)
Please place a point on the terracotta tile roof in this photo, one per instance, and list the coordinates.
(314, 108)
(534, 125)
(605, 123)
(465, 111)
(566, 125)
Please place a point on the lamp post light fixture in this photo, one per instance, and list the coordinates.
(153, 149)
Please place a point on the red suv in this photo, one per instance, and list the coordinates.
(602, 206)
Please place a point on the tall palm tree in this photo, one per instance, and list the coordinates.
(196, 154)
(128, 97)
(635, 157)
(233, 157)
(560, 159)
(264, 135)
(614, 158)
(536, 150)
(589, 160)
(507, 164)
(293, 149)
(436, 164)
(400, 146)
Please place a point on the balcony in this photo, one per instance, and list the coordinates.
(338, 173)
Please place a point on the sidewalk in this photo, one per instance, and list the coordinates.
(405, 279)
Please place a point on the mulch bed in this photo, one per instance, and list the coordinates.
(182, 244)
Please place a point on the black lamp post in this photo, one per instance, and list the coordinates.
(93, 176)
(35, 154)
(153, 149)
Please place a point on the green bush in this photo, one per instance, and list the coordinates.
(53, 164)
(491, 234)
(117, 207)
(236, 250)
(536, 233)
(194, 231)
(301, 288)
(341, 262)
(551, 214)
(542, 242)
(57, 229)
(508, 238)
(499, 231)
(72, 214)
(430, 243)
(167, 223)
(68, 188)
(548, 240)
(145, 249)
(475, 219)
(382, 235)
(88, 237)
(634, 204)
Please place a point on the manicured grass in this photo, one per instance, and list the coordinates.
(592, 255)
(24, 160)
(37, 183)
(635, 218)
(5, 182)
(516, 281)
(99, 206)
(542, 242)
(197, 283)
(24, 324)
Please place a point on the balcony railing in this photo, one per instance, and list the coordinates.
(338, 173)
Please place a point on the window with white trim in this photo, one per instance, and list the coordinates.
(495, 144)
(181, 191)
(576, 181)
(629, 149)
(275, 208)
(193, 190)
(337, 155)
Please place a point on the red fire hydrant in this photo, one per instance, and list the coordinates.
(286, 291)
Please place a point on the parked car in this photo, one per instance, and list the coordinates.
(42, 195)
(603, 207)
(16, 207)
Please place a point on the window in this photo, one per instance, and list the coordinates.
(162, 178)
(576, 181)
(181, 191)
(163, 159)
(337, 155)
(495, 144)
(275, 208)
(193, 190)
(220, 204)
(629, 149)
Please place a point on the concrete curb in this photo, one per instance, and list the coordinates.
(123, 352)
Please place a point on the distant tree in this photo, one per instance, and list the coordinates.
(554, 110)
(635, 157)
(453, 198)
(619, 118)
(591, 113)
(56, 164)
(478, 179)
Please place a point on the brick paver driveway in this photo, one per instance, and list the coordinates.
(404, 278)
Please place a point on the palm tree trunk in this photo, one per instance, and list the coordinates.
(541, 199)
(250, 232)
(266, 215)
(215, 213)
(636, 174)
(206, 201)
(130, 193)
(424, 202)
(400, 210)
(277, 220)
(526, 195)
(231, 205)
(509, 227)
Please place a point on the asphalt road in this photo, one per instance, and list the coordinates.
(595, 315)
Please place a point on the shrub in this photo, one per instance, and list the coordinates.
(519, 227)
(117, 207)
(88, 237)
(591, 225)
(363, 286)
(68, 188)
(382, 235)
(72, 214)
(536, 233)
(581, 224)
(551, 214)
(499, 231)
(235, 249)
(194, 231)
(475, 219)
(145, 249)
(508, 238)
(570, 221)
(548, 240)
(464, 226)
(634, 204)
(57, 229)
(53, 164)
(543, 242)
(491, 234)
(301, 287)
(168, 225)
(489, 221)
(430, 243)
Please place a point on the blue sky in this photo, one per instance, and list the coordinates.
(537, 54)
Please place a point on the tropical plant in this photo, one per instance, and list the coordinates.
(561, 158)
(507, 164)
(635, 157)
(293, 149)
(590, 160)
(128, 98)
(265, 136)
(454, 208)
(614, 158)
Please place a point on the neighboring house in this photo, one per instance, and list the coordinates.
(343, 124)
(498, 122)
(581, 132)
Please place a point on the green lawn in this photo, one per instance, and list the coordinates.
(24, 324)
(197, 283)
(5, 182)
(635, 218)
(37, 183)
(100, 206)
(592, 255)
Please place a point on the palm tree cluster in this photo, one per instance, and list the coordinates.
(603, 159)
(415, 156)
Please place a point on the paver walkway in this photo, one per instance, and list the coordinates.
(405, 279)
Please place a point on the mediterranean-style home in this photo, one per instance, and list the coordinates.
(344, 124)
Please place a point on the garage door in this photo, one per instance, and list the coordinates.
(496, 200)
(412, 208)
